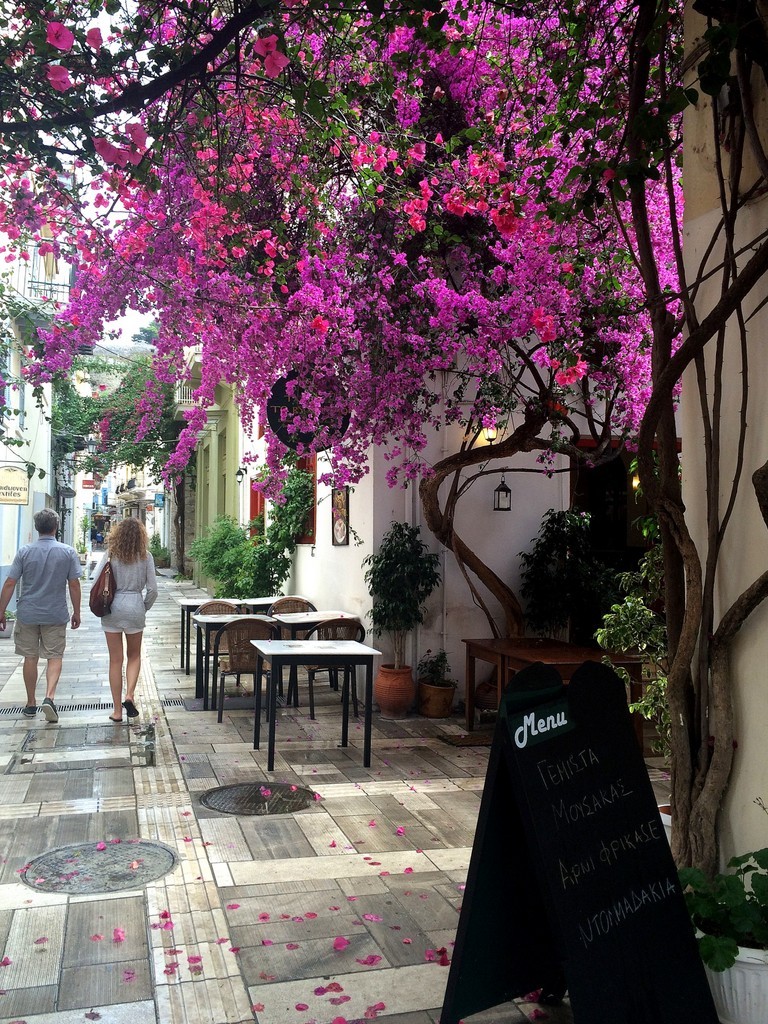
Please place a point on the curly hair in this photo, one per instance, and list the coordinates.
(128, 540)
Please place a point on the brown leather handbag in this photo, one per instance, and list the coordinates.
(103, 591)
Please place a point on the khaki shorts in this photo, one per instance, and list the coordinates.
(40, 641)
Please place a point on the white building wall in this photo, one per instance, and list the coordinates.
(333, 577)
(744, 555)
(742, 824)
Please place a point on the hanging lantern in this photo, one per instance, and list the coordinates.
(502, 497)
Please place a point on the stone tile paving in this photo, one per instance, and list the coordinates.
(318, 915)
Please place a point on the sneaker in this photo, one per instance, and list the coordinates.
(30, 712)
(49, 710)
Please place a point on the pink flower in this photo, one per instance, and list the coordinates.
(266, 45)
(101, 846)
(136, 134)
(93, 38)
(340, 942)
(570, 374)
(118, 935)
(274, 64)
(59, 36)
(58, 77)
(369, 961)
(544, 325)
(109, 154)
(506, 222)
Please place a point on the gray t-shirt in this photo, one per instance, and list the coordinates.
(44, 569)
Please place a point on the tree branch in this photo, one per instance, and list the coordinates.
(136, 97)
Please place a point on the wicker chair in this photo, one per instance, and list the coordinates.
(215, 607)
(238, 656)
(218, 606)
(287, 606)
(335, 629)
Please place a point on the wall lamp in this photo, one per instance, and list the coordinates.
(241, 474)
(490, 433)
(502, 497)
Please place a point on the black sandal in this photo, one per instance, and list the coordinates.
(130, 709)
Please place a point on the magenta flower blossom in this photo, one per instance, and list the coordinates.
(59, 35)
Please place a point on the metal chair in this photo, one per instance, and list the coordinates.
(240, 656)
(335, 629)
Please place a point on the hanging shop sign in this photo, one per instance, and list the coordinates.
(14, 486)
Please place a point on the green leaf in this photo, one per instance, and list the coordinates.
(718, 952)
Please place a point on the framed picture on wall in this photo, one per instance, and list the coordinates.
(340, 516)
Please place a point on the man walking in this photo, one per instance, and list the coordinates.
(45, 569)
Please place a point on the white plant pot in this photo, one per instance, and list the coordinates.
(666, 820)
(741, 992)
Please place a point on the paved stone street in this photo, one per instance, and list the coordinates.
(163, 910)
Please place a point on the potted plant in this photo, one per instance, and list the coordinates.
(400, 577)
(730, 912)
(436, 687)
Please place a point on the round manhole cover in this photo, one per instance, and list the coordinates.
(86, 868)
(258, 798)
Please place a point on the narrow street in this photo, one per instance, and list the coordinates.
(165, 911)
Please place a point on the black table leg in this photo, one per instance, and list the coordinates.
(257, 701)
(207, 664)
(276, 674)
(183, 635)
(345, 705)
(189, 629)
(199, 662)
(368, 713)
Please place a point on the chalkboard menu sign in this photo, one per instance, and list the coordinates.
(571, 882)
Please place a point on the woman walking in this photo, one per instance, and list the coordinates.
(136, 591)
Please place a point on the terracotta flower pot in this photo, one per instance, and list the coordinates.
(394, 691)
(435, 701)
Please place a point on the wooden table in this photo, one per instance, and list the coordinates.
(205, 625)
(317, 653)
(510, 654)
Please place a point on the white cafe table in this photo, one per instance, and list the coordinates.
(188, 605)
(317, 653)
(258, 604)
(298, 621)
(206, 625)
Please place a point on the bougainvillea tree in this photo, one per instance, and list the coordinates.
(459, 213)
(373, 209)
